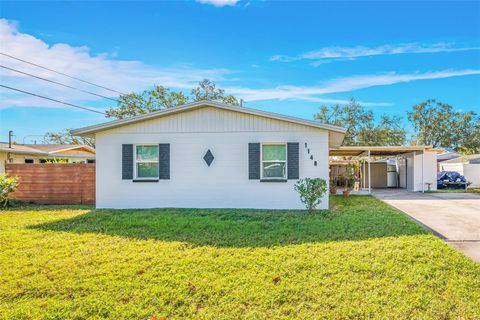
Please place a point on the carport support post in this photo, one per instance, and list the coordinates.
(423, 183)
(363, 175)
(369, 174)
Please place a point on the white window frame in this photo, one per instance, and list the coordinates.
(285, 161)
(135, 161)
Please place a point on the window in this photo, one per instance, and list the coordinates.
(274, 161)
(146, 161)
(90, 160)
(28, 160)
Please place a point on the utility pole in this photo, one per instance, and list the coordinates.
(10, 135)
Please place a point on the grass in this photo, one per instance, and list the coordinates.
(449, 190)
(363, 259)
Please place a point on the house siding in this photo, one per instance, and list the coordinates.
(414, 171)
(224, 184)
(429, 171)
(209, 119)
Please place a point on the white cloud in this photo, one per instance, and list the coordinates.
(349, 53)
(345, 84)
(219, 3)
(128, 76)
(103, 69)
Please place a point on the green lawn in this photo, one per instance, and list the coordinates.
(469, 190)
(363, 259)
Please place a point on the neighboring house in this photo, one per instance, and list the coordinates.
(468, 166)
(41, 153)
(208, 154)
(446, 156)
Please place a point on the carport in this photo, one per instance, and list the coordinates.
(417, 165)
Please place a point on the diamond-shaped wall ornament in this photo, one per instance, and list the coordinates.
(208, 157)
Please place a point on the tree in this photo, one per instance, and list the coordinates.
(159, 98)
(155, 99)
(134, 104)
(64, 137)
(436, 124)
(207, 90)
(387, 133)
(361, 126)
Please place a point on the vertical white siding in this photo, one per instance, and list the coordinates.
(471, 171)
(458, 167)
(429, 171)
(410, 169)
(208, 119)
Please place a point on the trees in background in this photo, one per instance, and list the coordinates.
(159, 98)
(64, 137)
(362, 127)
(207, 90)
(134, 104)
(437, 124)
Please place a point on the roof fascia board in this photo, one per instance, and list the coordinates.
(73, 148)
(24, 152)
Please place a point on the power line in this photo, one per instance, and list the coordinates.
(54, 100)
(63, 74)
(58, 83)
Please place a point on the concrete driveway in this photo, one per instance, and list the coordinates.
(455, 217)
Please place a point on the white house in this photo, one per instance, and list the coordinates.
(41, 153)
(209, 155)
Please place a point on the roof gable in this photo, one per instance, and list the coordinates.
(91, 130)
(60, 148)
(206, 119)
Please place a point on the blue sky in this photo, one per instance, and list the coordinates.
(280, 56)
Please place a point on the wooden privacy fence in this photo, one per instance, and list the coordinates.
(54, 183)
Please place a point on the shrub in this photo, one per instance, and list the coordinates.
(311, 191)
(7, 186)
(55, 160)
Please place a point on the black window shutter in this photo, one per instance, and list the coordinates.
(127, 161)
(164, 161)
(254, 161)
(293, 160)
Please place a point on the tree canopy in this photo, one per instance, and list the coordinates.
(437, 124)
(159, 98)
(362, 127)
(134, 104)
(207, 90)
(64, 137)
